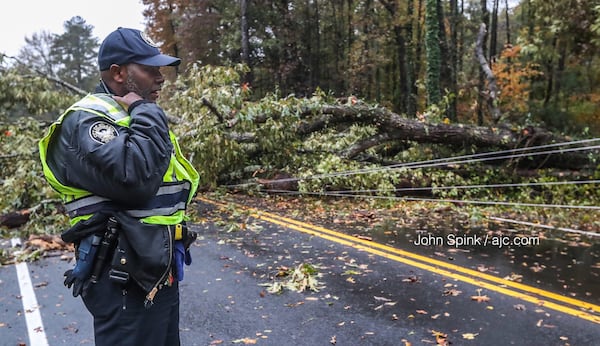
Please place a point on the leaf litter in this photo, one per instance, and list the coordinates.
(303, 277)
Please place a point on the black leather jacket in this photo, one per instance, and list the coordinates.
(127, 169)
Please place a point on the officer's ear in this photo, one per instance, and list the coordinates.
(118, 73)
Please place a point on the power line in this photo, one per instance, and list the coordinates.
(570, 230)
(437, 162)
(441, 200)
(549, 183)
(497, 155)
(518, 152)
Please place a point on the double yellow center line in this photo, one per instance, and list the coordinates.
(542, 298)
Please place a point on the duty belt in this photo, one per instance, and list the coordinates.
(170, 198)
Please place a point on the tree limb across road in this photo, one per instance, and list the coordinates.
(392, 127)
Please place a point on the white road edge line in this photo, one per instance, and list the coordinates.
(35, 327)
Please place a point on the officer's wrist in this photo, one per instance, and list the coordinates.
(135, 104)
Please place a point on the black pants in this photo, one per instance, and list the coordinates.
(123, 320)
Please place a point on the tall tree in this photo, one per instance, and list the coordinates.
(36, 52)
(494, 32)
(507, 18)
(432, 46)
(485, 19)
(402, 28)
(74, 53)
(245, 38)
(453, 63)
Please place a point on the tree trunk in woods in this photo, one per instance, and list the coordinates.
(491, 95)
(403, 101)
(494, 33)
(550, 72)
(452, 107)
(433, 52)
(507, 22)
(418, 49)
(173, 33)
(485, 19)
(245, 38)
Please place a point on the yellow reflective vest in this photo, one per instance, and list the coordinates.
(167, 207)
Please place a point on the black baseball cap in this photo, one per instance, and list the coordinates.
(125, 45)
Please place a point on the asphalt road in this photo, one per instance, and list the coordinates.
(370, 295)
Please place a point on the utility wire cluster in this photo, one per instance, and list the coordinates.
(548, 149)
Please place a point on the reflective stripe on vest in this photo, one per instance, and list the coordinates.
(170, 198)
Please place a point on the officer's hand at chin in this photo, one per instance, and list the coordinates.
(79, 286)
(127, 99)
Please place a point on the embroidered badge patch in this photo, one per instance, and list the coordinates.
(103, 132)
(148, 40)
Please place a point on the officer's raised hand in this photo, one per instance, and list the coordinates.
(128, 99)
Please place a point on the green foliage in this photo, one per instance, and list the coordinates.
(23, 187)
(215, 111)
(201, 132)
(28, 94)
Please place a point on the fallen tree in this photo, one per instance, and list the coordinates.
(394, 128)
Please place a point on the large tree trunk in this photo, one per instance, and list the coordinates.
(394, 128)
(492, 93)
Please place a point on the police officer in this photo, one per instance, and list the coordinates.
(126, 186)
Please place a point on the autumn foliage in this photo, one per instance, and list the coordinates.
(514, 80)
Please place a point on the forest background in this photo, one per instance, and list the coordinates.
(345, 98)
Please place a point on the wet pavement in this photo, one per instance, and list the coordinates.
(569, 267)
(366, 296)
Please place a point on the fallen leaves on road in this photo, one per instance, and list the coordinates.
(469, 336)
(387, 302)
(452, 292)
(479, 298)
(47, 242)
(412, 279)
(245, 341)
(299, 279)
(441, 339)
(363, 237)
(514, 277)
(384, 299)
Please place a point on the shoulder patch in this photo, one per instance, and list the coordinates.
(103, 132)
